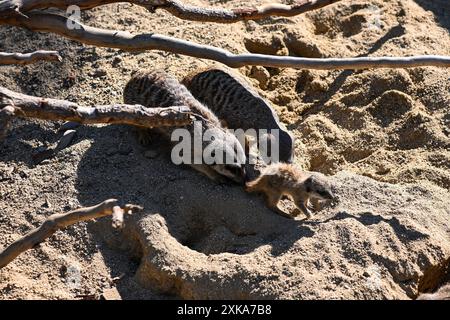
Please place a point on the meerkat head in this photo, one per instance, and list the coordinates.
(225, 154)
(318, 186)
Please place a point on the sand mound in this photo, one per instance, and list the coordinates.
(387, 237)
(380, 241)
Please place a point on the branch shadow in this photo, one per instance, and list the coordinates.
(336, 85)
(403, 233)
(14, 148)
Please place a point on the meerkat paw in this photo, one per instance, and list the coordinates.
(308, 216)
(308, 213)
(314, 204)
(304, 209)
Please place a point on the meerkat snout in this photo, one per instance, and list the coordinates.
(318, 186)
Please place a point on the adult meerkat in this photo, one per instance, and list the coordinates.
(239, 105)
(157, 88)
(280, 179)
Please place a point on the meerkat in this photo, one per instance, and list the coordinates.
(442, 294)
(280, 179)
(157, 88)
(238, 104)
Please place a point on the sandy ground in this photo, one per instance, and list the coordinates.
(389, 125)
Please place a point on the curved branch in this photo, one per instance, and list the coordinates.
(52, 109)
(28, 58)
(126, 41)
(60, 221)
(177, 8)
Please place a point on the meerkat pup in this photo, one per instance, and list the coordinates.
(239, 105)
(157, 88)
(280, 179)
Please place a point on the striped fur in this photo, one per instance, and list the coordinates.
(236, 102)
(156, 88)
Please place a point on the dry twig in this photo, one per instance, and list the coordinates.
(126, 41)
(28, 58)
(177, 8)
(21, 105)
(60, 221)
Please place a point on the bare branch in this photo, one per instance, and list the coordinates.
(52, 109)
(60, 221)
(219, 15)
(126, 41)
(28, 58)
(176, 8)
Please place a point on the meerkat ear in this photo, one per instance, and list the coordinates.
(308, 184)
